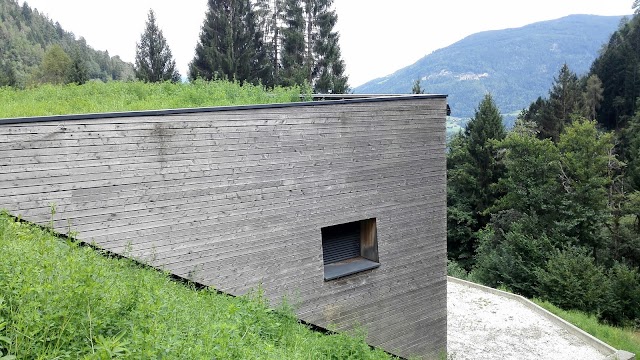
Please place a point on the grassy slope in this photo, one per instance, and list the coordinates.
(96, 97)
(59, 300)
(619, 338)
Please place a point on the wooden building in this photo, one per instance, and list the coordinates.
(339, 206)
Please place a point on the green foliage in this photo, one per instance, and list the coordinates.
(55, 67)
(472, 177)
(564, 101)
(618, 66)
(454, 269)
(293, 52)
(531, 172)
(309, 50)
(461, 223)
(561, 218)
(592, 97)
(94, 97)
(566, 98)
(511, 253)
(154, 62)
(630, 139)
(553, 232)
(571, 279)
(327, 75)
(586, 162)
(25, 33)
(230, 45)
(623, 298)
(79, 72)
(62, 301)
(416, 87)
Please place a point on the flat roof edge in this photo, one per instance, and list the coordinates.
(319, 100)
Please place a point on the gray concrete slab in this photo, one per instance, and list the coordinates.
(485, 324)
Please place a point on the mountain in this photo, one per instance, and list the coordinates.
(25, 37)
(515, 65)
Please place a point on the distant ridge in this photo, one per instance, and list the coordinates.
(514, 65)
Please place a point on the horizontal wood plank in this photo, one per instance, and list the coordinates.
(236, 199)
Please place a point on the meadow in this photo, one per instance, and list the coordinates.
(61, 300)
(115, 96)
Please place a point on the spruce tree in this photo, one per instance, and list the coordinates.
(231, 44)
(154, 62)
(417, 89)
(267, 13)
(564, 101)
(293, 53)
(310, 51)
(79, 72)
(328, 67)
(473, 174)
(618, 66)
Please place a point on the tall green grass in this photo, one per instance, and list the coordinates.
(97, 97)
(620, 338)
(59, 300)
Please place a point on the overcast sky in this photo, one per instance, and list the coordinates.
(377, 37)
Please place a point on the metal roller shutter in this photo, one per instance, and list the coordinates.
(341, 242)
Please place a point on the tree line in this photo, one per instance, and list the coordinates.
(551, 208)
(34, 49)
(268, 42)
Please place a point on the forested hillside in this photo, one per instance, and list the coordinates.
(551, 209)
(34, 49)
(514, 65)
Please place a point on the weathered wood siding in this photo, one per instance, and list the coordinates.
(236, 199)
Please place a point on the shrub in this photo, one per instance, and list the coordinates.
(571, 279)
(454, 269)
(623, 299)
(511, 257)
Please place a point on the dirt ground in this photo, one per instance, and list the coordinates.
(482, 325)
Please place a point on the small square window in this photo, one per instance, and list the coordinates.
(349, 248)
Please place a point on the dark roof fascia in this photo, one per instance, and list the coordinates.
(334, 100)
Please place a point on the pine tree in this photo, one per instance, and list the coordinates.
(231, 45)
(564, 100)
(473, 174)
(79, 72)
(328, 72)
(267, 13)
(310, 50)
(293, 51)
(486, 125)
(631, 150)
(417, 89)
(154, 62)
(618, 66)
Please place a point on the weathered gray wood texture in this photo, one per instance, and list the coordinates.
(236, 199)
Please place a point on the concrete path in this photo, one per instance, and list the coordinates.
(484, 325)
